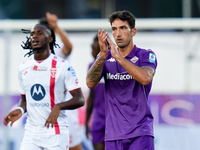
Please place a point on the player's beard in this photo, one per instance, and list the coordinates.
(124, 45)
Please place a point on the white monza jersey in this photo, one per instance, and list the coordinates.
(45, 84)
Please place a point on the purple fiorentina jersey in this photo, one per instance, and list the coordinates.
(126, 100)
(98, 120)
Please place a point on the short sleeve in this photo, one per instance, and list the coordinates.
(71, 80)
(149, 59)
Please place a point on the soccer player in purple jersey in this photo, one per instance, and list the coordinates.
(128, 72)
(96, 107)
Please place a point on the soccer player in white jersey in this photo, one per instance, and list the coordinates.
(64, 51)
(44, 81)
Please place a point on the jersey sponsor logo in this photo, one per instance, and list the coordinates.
(71, 69)
(53, 72)
(118, 76)
(111, 59)
(37, 92)
(134, 59)
(152, 58)
(37, 68)
(39, 104)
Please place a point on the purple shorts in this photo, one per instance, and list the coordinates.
(144, 142)
(98, 136)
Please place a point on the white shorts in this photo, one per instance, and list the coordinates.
(45, 142)
(75, 137)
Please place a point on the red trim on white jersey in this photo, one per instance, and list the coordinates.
(74, 89)
(52, 94)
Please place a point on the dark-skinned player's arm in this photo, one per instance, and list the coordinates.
(90, 103)
(76, 101)
(17, 113)
(143, 75)
(94, 73)
(53, 21)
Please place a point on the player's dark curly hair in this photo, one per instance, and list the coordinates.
(96, 39)
(27, 45)
(124, 16)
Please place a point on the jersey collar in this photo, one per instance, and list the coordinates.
(132, 53)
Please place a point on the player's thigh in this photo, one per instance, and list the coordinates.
(29, 143)
(30, 146)
(75, 137)
(56, 142)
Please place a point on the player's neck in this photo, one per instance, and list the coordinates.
(126, 50)
(41, 56)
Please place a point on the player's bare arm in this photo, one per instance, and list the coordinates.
(143, 75)
(90, 103)
(94, 74)
(76, 101)
(22, 102)
(67, 48)
(95, 71)
(17, 113)
(52, 20)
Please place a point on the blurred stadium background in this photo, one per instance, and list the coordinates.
(170, 28)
